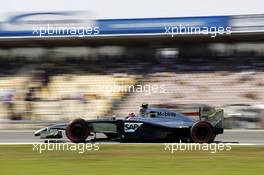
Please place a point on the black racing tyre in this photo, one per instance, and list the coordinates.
(202, 132)
(77, 130)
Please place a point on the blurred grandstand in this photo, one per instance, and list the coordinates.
(50, 81)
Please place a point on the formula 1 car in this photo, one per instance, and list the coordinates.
(150, 124)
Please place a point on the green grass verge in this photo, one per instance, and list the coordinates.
(131, 159)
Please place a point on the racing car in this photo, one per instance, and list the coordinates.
(150, 124)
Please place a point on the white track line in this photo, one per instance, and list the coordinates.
(116, 143)
(243, 130)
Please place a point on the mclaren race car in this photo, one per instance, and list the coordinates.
(150, 124)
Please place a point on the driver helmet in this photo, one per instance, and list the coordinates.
(143, 110)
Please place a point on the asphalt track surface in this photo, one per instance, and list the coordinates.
(229, 136)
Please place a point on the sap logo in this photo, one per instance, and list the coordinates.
(167, 114)
(131, 127)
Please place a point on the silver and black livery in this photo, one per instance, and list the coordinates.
(150, 124)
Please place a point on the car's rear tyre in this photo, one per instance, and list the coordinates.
(202, 132)
(77, 130)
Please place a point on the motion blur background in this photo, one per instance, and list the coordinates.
(59, 78)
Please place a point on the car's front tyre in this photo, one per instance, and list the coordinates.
(77, 131)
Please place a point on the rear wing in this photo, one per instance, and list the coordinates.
(213, 115)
